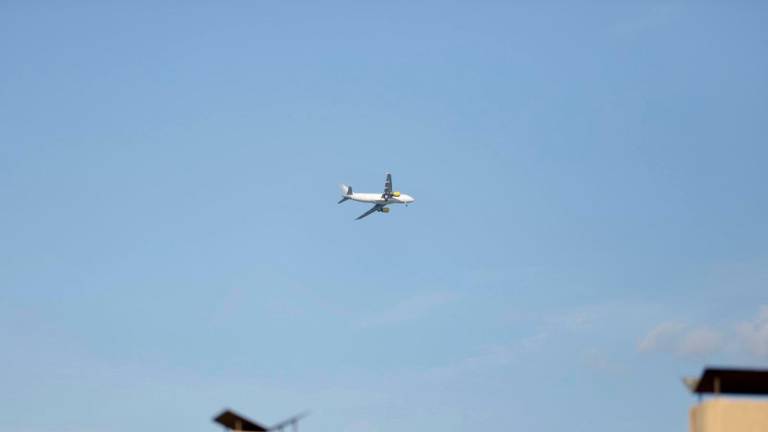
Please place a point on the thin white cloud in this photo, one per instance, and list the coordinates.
(701, 342)
(753, 334)
(490, 357)
(663, 337)
(682, 340)
(747, 338)
(410, 309)
(597, 360)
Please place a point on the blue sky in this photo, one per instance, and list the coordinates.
(590, 223)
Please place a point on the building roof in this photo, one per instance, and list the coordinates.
(730, 381)
(233, 421)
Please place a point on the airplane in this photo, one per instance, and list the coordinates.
(232, 421)
(380, 201)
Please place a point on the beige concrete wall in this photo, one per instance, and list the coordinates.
(730, 415)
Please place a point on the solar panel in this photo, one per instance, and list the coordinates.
(233, 421)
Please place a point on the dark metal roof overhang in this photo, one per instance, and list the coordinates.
(731, 381)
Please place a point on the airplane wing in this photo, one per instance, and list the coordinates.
(387, 187)
(375, 208)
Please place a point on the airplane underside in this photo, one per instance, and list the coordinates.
(379, 201)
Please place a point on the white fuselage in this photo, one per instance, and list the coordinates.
(375, 198)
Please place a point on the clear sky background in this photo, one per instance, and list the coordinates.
(589, 226)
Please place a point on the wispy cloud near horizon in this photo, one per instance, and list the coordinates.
(748, 338)
(754, 334)
(410, 308)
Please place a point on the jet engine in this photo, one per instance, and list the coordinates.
(396, 194)
(385, 210)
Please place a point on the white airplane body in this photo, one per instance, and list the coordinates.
(379, 201)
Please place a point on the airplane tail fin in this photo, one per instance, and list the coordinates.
(346, 191)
